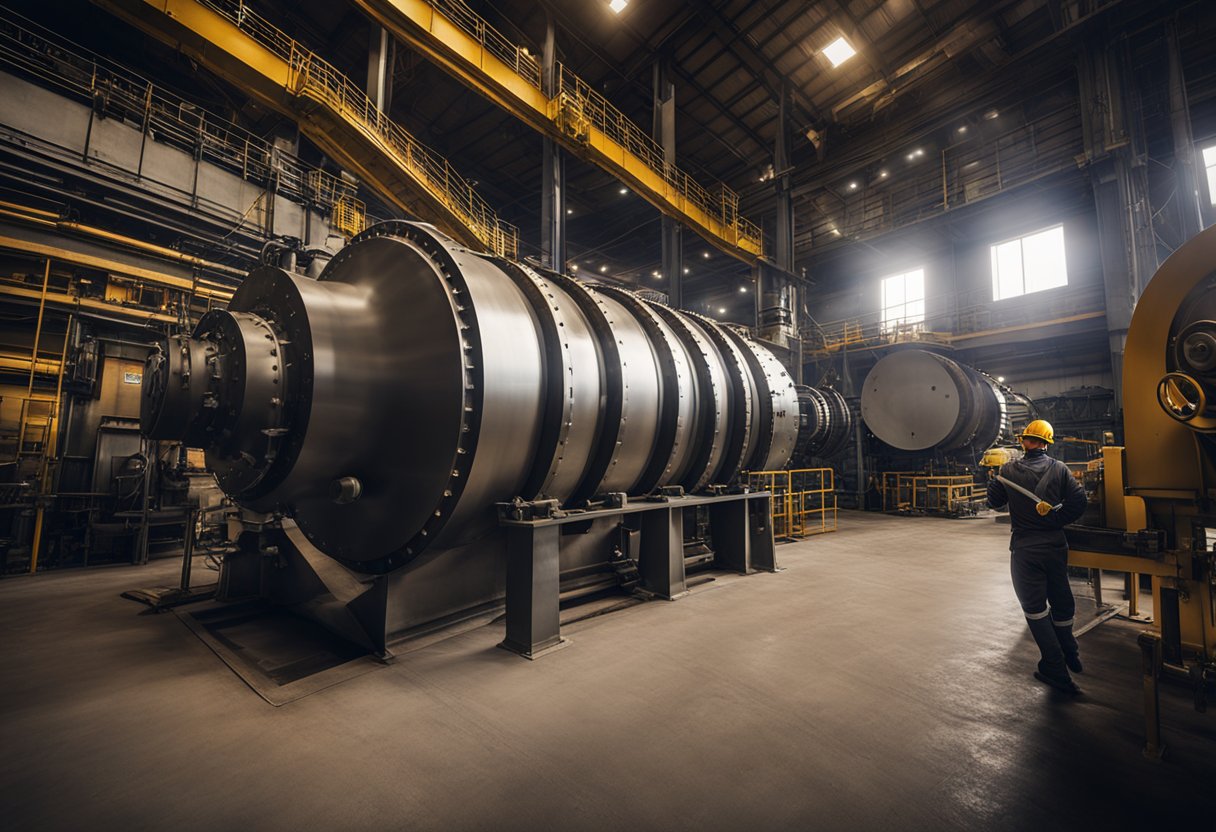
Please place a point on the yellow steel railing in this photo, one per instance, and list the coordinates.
(917, 492)
(804, 500)
(271, 59)
(314, 78)
(119, 94)
(456, 37)
(349, 216)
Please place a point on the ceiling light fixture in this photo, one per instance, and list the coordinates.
(655, 273)
(743, 290)
(574, 268)
(618, 6)
(882, 174)
(687, 270)
(852, 186)
(1000, 378)
(962, 128)
(603, 268)
(569, 211)
(705, 254)
(992, 114)
(839, 51)
(624, 191)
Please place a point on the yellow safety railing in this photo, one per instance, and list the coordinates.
(917, 492)
(310, 76)
(804, 500)
(577, 108)
(578, 113)
(121, 95)
(349, 216)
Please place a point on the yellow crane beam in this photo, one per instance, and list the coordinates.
(237, 44)
(454, 37)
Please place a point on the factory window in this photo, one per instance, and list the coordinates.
(1029, 264)
(903, 300)
(1209, 165)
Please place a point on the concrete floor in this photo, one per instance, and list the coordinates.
(882, 680)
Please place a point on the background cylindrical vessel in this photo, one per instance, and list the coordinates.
(915, 400)
(388, 405)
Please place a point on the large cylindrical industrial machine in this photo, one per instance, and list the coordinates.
(916, 400)
(387, 406)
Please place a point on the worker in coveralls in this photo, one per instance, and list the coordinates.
(1039, 559)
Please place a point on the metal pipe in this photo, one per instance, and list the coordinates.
(21, 212)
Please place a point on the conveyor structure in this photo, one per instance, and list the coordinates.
(572, 113)
(233, 41)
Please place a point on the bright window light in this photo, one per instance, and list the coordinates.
(618, 6)
(839, 51)
(1209, 164)
(1029, 264)
(903, 300)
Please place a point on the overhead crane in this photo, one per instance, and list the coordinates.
(234, 42)
(449, 33)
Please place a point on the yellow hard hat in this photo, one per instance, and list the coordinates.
(1039, 429)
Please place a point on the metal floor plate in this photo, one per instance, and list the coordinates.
(281, 656)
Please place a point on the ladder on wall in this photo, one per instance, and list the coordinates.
(37, 426)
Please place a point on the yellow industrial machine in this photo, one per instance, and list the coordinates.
(1158, 492)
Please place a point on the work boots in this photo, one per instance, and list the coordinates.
(1068, 644)
(1053, 669)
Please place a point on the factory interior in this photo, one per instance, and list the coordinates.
(608, 414)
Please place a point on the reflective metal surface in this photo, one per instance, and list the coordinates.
(915, 400)
(388, 405)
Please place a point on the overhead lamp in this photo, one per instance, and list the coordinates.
(836, 231)
(962, 128)
(687, 270)
(1000, 378)
(656, 273)
(852, 186)
(624, 191)
(882, 174)
(569, 211)
(603, 268)
(992, 114)
(839, 51)
(743, 290)
(705, 254)
(721, 310)
(618, 6)
(574, 267)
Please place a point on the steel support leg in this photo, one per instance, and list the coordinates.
(661, 554)
(533, 587)
(760, 534)
(1150, 663)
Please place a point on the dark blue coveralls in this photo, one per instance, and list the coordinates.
(1039, 554)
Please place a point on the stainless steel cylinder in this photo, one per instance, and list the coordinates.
(915, 400)
(389, 404)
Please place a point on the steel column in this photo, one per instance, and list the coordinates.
(1190, 214)
(672, 233)
(553, 171)
(381, 55)
(533, 590)
(661, 555)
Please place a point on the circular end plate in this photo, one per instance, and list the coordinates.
(910, 401)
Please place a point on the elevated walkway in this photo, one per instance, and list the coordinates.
(449, 33)
(231, 40)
